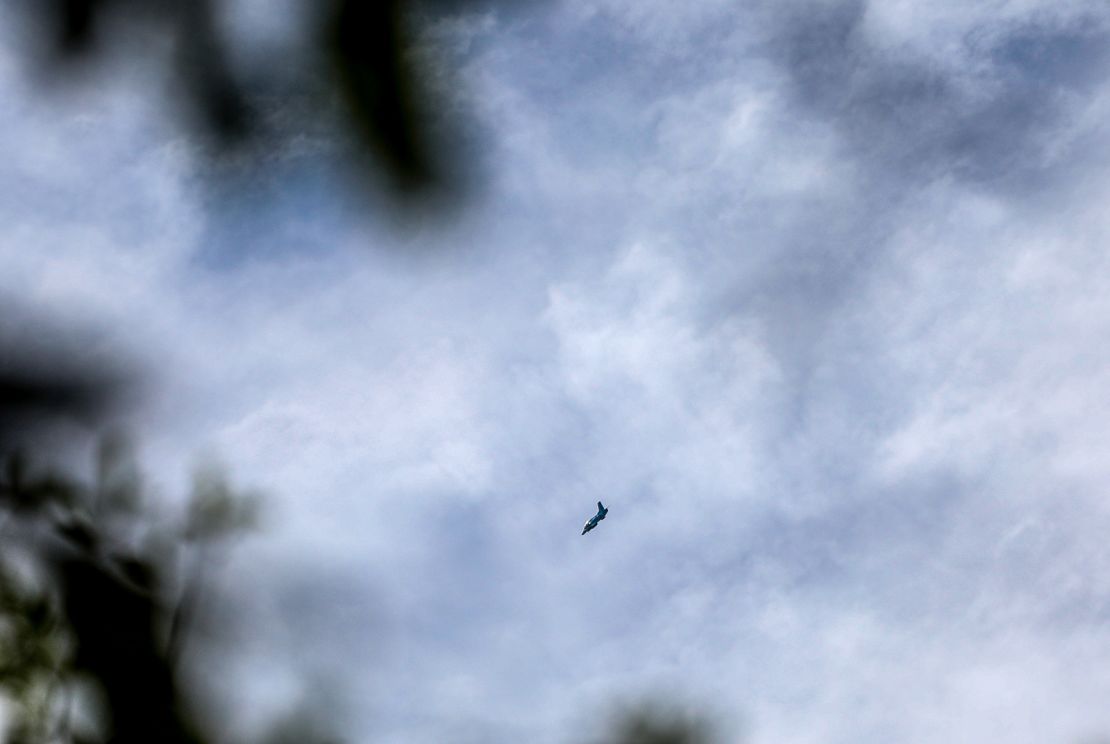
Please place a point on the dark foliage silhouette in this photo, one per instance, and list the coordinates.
(79, 601)
(360, 56)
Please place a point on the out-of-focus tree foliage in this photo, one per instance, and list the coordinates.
(659, 724)
(91, 590)
(94, 602)
(357, 54)
(97, 590)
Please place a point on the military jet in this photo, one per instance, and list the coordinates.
(592, 521)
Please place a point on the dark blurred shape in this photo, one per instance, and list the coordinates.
(201, 59)
(206, 74)
(50, 381)
(40, 391)
(367, 43)
(368, 64)
(76, 24)
(29, 396)
(114, 624)
(23, 496)
(655, 724)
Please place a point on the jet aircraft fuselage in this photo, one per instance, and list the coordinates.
(592, 521)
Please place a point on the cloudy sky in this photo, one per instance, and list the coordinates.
(813, 294)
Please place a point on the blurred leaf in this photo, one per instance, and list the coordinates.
(75, 23)
(79, 394)
(15, 470)
(140, 573)
(80, 533)
(215, 511)
(203, 67)
(649, 725)
(25, 493)
(368, 44)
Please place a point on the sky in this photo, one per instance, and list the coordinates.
(813, 294)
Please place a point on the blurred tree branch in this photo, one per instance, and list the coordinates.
(78, 600)
(362, 52)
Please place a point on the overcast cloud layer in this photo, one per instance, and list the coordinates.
(813, 295)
